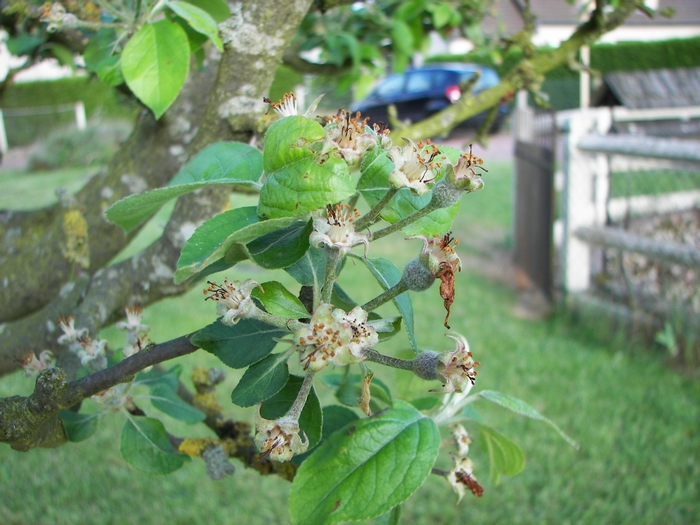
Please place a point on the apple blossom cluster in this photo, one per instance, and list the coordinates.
(233, 299)
(334, 337)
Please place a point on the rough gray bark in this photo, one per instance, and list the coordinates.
(255, 38)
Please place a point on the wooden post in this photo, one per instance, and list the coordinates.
(578, 203)
(80, 118)
(585, 78)
(3, 135)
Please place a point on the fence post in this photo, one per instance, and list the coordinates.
(3, 135)
(578, 202)
(80, 118)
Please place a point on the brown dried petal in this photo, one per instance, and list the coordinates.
(446, 274)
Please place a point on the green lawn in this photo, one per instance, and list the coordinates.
(637, 421)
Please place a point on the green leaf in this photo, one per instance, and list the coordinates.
(213, 239)
(310, 270)
(442, 13)
(100, 48)
(401, 37)
(386, 327)
(426, 403)
(219, 163)
(223, 162)
(217, 266)
(79, 427)
(279, 301)
(261, 381)
(366, 470)
(155, 62)
(154, 376)
(374, 183)
(281, 248)
(110, 71)
(520, 407)
(145, 446)
(393, 517)
(348, 389)
(199, 20)
(296, 181)
(505, 457)
(62, 54)
(239, 345)
(218, 9)
(311, 418)
(24, 43)
(388, 275)
(470, 412)
(335, 417)
(164, 398)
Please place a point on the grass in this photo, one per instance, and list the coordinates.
(637, 421)
(652, 182)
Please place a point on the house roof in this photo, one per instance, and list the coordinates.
(506, 13)
(656, 88)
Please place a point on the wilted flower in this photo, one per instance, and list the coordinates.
(279, 439)
(337, 230)
(462, 474)
(114, 398)
(32, 365)
(462, 439)
(92, 353)
(332, 336)
(134, 330)
(414, 166)
(287, 107)
(459, 372)
(463, 175)
(437, 251)
(461, 477)
(71, 335)
(233, 299)
(349, 136)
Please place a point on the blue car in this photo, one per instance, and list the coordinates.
(422, 92)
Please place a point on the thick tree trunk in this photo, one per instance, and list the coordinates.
(42, 284)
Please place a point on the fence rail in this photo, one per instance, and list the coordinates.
(78, 109)
(630, 223)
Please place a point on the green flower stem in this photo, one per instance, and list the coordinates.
(385, 296)
(332, 257)
(280, 322)
(303, 394)
(405, 221)
(376, 357)
(371, 216)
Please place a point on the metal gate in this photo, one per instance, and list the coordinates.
(534, 196)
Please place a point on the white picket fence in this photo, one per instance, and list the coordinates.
(78, 109)
(589, 151)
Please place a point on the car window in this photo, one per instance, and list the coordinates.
(391, 87)
(418, 81)
(488, 79)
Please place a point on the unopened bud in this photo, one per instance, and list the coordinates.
(427, 365)
(417, 277)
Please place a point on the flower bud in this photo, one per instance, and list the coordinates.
(427, 365)
(417, 277)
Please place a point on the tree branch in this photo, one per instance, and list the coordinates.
(28, 422)
(523, 75)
